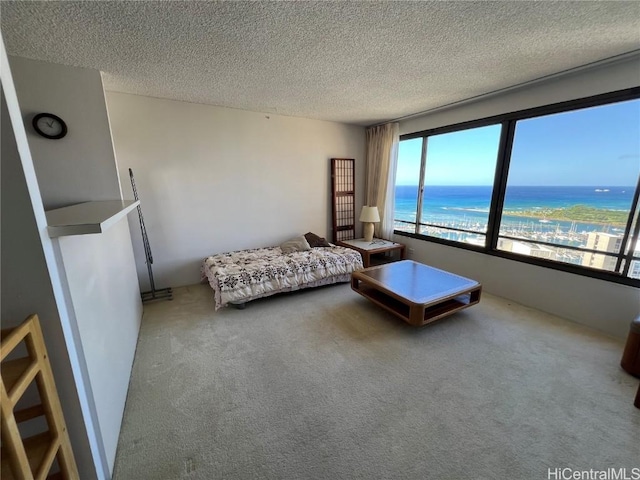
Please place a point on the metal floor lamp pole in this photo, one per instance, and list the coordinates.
(153, 294)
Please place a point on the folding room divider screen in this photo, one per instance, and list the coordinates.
(343, 186)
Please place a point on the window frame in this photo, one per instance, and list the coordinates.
(507, 135)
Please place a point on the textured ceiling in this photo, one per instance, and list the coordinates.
(354, 62)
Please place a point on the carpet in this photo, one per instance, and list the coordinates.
(322, 384)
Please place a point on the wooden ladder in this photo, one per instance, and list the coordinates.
(32, 458)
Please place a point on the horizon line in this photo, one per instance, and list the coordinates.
(562, 186)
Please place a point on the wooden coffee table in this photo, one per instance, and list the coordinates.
(415, 292)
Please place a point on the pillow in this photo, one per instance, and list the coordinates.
(316, 241)
(298, 244)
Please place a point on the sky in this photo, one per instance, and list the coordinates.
(598, 146)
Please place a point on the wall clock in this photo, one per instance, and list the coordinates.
(49, 126)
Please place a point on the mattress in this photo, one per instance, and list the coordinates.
(245, 275)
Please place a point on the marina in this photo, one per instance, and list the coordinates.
(534, 237)
(575, 225)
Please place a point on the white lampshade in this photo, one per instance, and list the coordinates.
(369, 214)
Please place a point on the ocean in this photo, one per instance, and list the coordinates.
(468, 207)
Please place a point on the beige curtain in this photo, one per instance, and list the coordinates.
(380, 177)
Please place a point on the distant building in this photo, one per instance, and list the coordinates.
(526, 248)
(634, 269)
(603, 242)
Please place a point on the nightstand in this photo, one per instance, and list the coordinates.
(374, 248)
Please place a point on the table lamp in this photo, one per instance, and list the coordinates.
(369, 216)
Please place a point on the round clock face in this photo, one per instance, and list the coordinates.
(49, 126)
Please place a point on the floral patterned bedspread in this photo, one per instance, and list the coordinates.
(249, 274)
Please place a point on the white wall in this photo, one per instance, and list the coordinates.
(586, 83)
(95, 275)
(31, 282)
(81, 166)
(106, 300)
(26, 288)
(603, 305)
(214, 179)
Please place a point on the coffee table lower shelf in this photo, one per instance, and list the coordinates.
(414, 313)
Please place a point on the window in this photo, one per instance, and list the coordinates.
(456, 184)
(555, 186)
(407, 184)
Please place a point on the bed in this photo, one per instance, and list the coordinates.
(245, 275)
